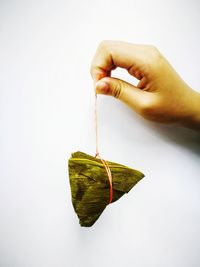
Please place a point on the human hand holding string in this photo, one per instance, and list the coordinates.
(160, 95)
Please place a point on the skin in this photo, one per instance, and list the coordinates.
(160, 95)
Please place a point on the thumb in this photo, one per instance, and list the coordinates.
(126, 92)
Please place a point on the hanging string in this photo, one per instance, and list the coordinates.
(107, 168)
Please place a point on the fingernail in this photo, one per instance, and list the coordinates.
(102, 87)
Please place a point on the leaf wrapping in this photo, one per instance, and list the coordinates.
(90, 185)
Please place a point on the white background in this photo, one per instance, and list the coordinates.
(46, 112)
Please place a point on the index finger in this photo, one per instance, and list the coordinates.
(112, 54)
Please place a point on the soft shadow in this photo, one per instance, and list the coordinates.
(121, 118)
(187, 138)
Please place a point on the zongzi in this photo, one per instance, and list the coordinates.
(90, 186)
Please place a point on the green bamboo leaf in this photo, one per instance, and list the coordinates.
(90, 186)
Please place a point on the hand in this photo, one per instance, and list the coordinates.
(161, 95)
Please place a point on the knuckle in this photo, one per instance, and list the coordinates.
(117, 90)
(154, 58)
(156, 54)
(153, 51)
(153, 48)
(104, 45)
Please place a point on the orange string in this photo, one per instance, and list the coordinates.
(107, 168)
